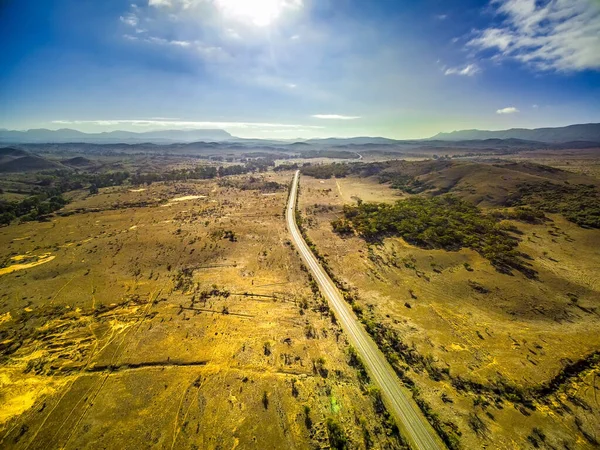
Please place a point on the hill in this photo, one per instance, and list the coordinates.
(28, 163)
(579, 132)
(483, 184)
(78, 161)
(353, 140)
(10, 153)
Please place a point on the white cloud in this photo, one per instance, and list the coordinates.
(162, 41)
(232, 34)
(335, 117)
(507, 110)
(441, 16)
(176, 43)
(469, 70)
(160, 3)
(129, 19)
(562, 35)
(183, 124)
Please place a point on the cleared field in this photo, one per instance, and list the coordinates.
(504, 361)
(141, 321)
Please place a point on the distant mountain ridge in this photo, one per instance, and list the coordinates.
(42, 135)
(571, 133)
(575, 135)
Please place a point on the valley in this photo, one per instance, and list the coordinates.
(170, 282)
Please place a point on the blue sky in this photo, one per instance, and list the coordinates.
(299, 68)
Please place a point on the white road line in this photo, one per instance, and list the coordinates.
(411, 422)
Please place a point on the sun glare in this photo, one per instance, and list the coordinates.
(260, 13)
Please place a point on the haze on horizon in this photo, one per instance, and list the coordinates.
(299, 68)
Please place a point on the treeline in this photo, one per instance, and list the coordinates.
(578, 203)
(31, 208)
(444, 222)
(203, 172)
(61, 181)
(49, 187)
(197, 173)
(522, 214)
(404, 182)
(47, 193)
(283, 167)
(326, 171)
(341, 170)
(338, 154)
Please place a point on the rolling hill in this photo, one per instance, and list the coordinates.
(17, 160)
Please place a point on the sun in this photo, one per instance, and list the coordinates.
(260, 13)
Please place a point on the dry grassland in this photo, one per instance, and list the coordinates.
(170, 316)
(469, 334)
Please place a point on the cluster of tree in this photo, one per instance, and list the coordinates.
(30, 208)
(48, 189)
(578, 203)
(341, 170)
(259, 164)
(403, 182)
(107, 179)
(60, 181)
(338, 154)
(202, 172)
(522, 214)
(267, 155)
(326, 171)
(444, 222)
(197, 173)
(252, 183)
(283, 167)
(397, 180)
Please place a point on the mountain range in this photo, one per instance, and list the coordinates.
(581, 132)
(42, 135)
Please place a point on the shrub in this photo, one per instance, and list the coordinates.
(337, 436)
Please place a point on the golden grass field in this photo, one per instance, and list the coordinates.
(517, 331)
(178, 315)
(131, 320)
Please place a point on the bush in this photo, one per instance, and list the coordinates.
(6, 218)
(337, 436)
